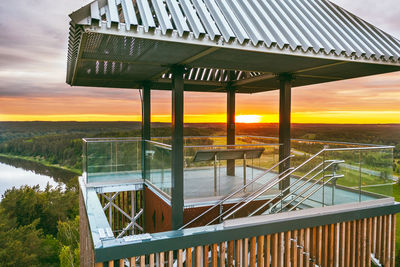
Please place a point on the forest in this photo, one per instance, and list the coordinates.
(40, 227)
(60, 143)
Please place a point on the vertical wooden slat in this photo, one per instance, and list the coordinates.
(222, 253)
(267, 251)
(300, 250)
(260, 251)
(281, 249)
(373, 235)
(151, 260)
(378, 238)
(383, 239)
(336, 233)
(364, 242)
(337, 244)
(393, 241)
(230, 253)
(142, 261)
(98, 264)
(237, 253)
(359, 244)
(331, 250)
(274, 259)
(132, 262)
(388, 240)
(253, 248)
(180, 258)
(205, 255)
(293, 253)
(348, 244)
(188, 257)
(287, 249)
(161, 259)
(111, 264)
(342, 246)
(307, 247)
(245, 252)
(319, 245)
(313, 245)
(214, 255)
(353, 245)
(325, 247)
(197, 256)
(369, 238)
(170, 258)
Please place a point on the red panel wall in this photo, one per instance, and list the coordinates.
(157, 213)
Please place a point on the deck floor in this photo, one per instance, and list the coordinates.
(199, 185)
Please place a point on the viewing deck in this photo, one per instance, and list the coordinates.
(140, 200)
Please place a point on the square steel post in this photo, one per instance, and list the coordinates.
(177, 201)
(146, 127)
(230, 125)
(285, 83)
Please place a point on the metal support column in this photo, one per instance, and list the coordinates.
(285, 81)
(146, 124)
(177, 201)
(230, 126)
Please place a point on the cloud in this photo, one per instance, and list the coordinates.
(33, 51)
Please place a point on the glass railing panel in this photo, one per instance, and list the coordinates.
(158, 165)
(377, 171)
(347, 175)
(207, 178)
(112, 160)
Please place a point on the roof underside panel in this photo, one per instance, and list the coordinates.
(137, 40)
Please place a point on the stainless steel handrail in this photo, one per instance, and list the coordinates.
(276, 182)
(291, 185)
(294, 139)
(358, 148)
(158, 144)
(315, 190)
(238, 190)
(253, 195)
(305, 190)
(110, 140)
(238, 145)
(306, 181)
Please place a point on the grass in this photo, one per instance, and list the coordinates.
(41, 161)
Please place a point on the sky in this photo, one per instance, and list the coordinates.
(33, 48)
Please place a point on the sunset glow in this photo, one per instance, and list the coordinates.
(334, 117)
(248, 119)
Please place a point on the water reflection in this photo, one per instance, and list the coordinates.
(18, 172)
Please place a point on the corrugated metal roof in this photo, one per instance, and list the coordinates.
(314, 26)
(110, 38)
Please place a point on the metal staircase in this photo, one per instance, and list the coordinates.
(299, 191)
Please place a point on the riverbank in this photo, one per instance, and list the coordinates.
(42, 162)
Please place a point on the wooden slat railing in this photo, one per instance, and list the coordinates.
(348, 243)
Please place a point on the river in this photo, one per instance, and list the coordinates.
(18, 172)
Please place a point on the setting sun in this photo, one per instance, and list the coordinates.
(248, 118)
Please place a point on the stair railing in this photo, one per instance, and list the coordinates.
(258, 193)
(331, 162)
(236, 191)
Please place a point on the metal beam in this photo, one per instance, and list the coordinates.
(285, 82)
(177, 201)
(262, 77)
(146, 127)
(230, 121)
